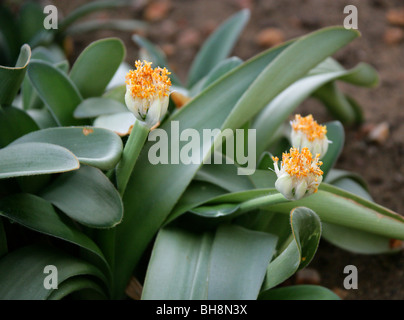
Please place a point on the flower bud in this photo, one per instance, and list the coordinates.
(147, 91)
(299, 174)
(306, 133)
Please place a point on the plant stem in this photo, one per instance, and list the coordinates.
(132, 149)
(130, 154)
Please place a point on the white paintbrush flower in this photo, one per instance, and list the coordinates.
(299, 174)
(147, 93)
(307, 133)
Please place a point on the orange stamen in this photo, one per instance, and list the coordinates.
(309, 127)
(146, 82)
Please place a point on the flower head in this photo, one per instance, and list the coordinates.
(299, 174)
(147, 91)
(306, 132)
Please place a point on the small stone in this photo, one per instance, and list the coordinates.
(393, 36)
(340, 292)
(396, 16)
(270, 37)
(379, 133)
(157, 11)
(168, 49)
(179, 99)
(189, 38)
(308, 276)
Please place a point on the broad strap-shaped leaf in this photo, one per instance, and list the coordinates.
(87, 196)
(14, 123)
(186, 265)
(96, 66)
(336, 134)
(217, 47)
(97, 147)
(178, 267)
(202, 113)
(58, 92)
(38, 214)
(31, 18)
(238, 262)
(216, 73)
(94, 107)
(22, 272)
(88, 8)
(300, 292)
(306, 234)
(81, 287)
(32, 158)
(11, 78)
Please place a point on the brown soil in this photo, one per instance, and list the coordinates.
(180, 27)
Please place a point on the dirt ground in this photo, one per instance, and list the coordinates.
(180, 26)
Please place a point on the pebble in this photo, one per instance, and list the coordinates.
(157, 11)
(270, 37)
(393, 36)
(189, 38)
(379, 134)
(308, 276)
(396, 16)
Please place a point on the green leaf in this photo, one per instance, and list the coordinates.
(31, 18)
(96, 66)
(157, 56)
(216, 73)
(109, 24)
(87, 9)
(178, 267)
(217, 47)
(22, 274)
(306, 234)
(39, 215)
(196, 266)
(336, 134)
(357, 241)
(202, 113)
(97, 147)
(300, 292)
(59, 94)
(14, 123)
(76, 286)
(34, 158)
(11, 78)
(94, 107)
(87, 196)
(238, 262)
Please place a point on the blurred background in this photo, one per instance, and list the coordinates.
(375, 150)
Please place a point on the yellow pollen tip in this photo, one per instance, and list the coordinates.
(301, 164)
(275, 159)
(309, 127)
(145, 82)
